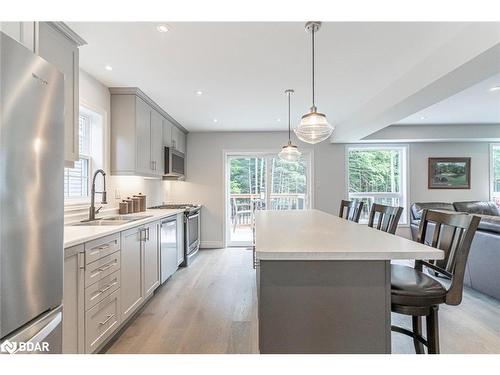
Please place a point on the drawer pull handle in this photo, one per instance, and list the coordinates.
(108, 318)
(107, 287)
(106, 267)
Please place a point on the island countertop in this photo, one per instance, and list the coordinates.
(316, 235)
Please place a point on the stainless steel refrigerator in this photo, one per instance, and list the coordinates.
(31, 201)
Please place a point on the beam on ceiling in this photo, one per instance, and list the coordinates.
(472, 56)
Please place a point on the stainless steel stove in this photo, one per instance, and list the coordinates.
(191, 228)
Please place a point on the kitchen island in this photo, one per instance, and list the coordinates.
(324, 283)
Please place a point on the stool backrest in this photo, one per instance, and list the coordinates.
(351, 210)
(388, 217)
(453, 233)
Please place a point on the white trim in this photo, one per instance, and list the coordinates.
(491, 170)
(211, 244)
(405, 188)
(307, 153)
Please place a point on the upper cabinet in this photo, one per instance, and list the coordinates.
(139, 131)
(178, 140)
(58, 44)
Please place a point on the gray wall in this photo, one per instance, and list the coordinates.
(205, 170)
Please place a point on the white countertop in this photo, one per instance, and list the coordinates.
(75, 235)
(316, 235)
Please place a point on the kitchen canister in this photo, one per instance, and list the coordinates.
(123, 208)
(142, 201)
(130, 204)
(136, 204)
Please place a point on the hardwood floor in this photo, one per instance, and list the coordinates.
(211, 307)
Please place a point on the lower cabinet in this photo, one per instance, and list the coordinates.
(180, 238)
(105, 281)
(73, 300)
(101, 321)
(131, 268)
(151, 266)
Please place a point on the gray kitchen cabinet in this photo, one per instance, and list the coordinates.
(143, 128)
(151, 264)
(178, 139)
(180, 238)
(57, 44)
(73, 300)
(167, 133)
(157, 142)
(23, 32)
(136, 135)
(132, 291)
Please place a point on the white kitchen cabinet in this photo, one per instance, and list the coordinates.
(151, 264)
(180, 238)
(73, 300)
(132, 294)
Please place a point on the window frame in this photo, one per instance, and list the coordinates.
(405, 177)
(97, 153)
(493, 195)
(71, 201)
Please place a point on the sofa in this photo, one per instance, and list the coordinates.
(483, 265)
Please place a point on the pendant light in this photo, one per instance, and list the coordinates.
(313, 127)
(289, 153)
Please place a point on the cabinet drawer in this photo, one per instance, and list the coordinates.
(101, 321)
(101, 268)
(101, 247)
(101, 289)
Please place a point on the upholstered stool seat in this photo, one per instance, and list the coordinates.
(411, 287)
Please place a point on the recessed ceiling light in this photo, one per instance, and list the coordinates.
(108, 67)
(215, 120)
(496, 88)
(422, 117)
(278, 119)
(162, 28)
(198, 92)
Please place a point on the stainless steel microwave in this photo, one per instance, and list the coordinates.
(174, 163)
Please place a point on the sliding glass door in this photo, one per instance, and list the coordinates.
(261, 182)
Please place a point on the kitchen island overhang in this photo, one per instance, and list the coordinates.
(324, 283)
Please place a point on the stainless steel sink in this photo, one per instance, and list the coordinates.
(113, 220)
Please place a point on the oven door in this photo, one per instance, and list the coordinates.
(192, 232)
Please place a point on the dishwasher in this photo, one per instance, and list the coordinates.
(168, 248)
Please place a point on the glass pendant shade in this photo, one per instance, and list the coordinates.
(290, 153)
(313, 127)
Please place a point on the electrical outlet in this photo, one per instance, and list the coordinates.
(117, 194)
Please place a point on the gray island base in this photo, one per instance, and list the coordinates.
(324, 284)
(324, 307)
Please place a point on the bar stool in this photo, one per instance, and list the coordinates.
(388, 217)
(417, 294)
(352, 210)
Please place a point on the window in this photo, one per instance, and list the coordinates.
(76, 179)
(377, 174)
(495, 173)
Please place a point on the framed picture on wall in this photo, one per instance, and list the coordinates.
(449, 173)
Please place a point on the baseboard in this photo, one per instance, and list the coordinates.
(211, 244)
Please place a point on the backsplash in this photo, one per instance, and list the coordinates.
(121, 187)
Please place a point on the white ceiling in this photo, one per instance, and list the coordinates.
(243, 68)
(474, 105)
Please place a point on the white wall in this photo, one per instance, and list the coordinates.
(479, 154)
(204, 182)
(95, 96)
